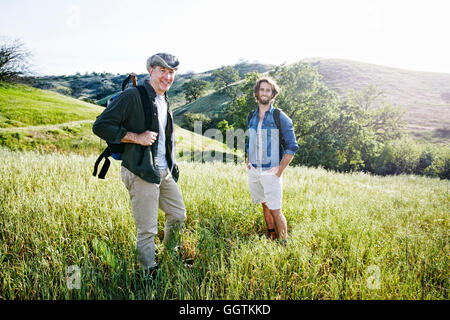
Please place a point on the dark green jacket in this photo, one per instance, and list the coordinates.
(126, 114)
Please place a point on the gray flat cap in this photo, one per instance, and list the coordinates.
(164, 60)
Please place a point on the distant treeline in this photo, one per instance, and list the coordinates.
(95, 86)
(89, 87)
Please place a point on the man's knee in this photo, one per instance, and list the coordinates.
(276, 212)
(146, 235)
(182, 217)
(177, 217)
(182, 213)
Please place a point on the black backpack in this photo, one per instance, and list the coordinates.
(276, 118)
(115, 150)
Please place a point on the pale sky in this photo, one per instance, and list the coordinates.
(72, 36)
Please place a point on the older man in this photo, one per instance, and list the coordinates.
(149, 171)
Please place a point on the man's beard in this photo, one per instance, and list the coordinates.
(264, 101)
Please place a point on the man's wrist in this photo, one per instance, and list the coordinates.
(130, 137)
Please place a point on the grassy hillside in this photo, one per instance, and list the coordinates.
(34, 119)
(22, 106)
(211, 104)
(77, 137)
(99, 87)
(351, 236)
(426, 95)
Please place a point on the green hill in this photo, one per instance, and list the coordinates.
(22, 106)
(211, 104)
(31, 119)
(426, 95)
(34, 119)
(99, 87)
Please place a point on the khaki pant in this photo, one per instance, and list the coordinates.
(146, 198)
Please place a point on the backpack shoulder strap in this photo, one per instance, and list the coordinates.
(276, 118)
(249, 116)
(125, 82)
(105, 154)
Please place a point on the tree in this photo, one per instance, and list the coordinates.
(313, 108)
(223, 126)
(238, 111)
(345, 134)
(374, 123)
(193, 89)
(14, 60)
(191, 118)
(63, 90)
(382, 117)
(224, 78)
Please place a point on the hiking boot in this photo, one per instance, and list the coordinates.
(188, 263)
(150, 273)
(271, 234)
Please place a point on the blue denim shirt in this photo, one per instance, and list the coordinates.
(270, 139)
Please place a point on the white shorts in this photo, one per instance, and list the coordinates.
(266, 187)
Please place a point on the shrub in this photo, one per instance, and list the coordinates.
(405, 156)
(63, 90)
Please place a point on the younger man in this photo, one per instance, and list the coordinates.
(264, 154)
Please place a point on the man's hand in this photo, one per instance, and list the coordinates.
(276, 170)
(283, 164)
(279, 172)
(146, 138)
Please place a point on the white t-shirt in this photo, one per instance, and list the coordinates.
(161, 105)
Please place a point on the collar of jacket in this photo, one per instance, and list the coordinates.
(270, 110)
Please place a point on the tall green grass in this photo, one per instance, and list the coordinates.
(351, 236)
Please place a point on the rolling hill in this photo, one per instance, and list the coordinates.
(425, 95)
(22, 106)
(35, 119)
(98, 87)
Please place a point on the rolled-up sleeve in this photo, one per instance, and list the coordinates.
(287, 131)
